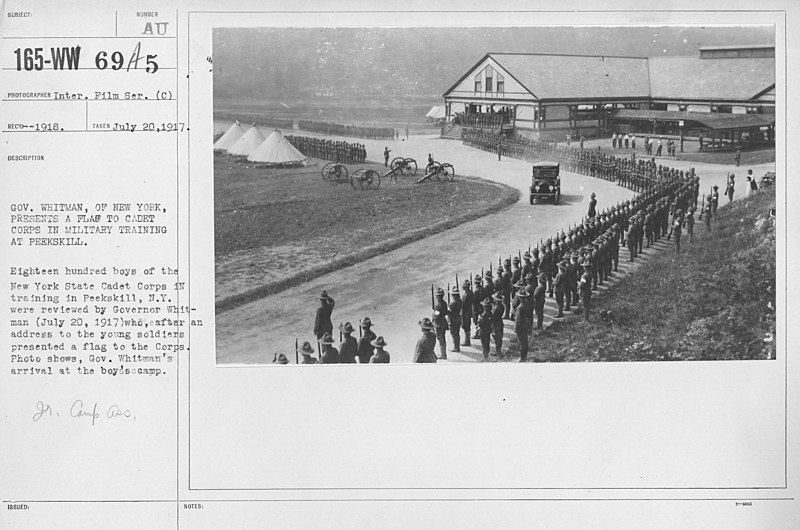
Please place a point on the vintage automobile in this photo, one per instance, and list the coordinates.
(545, 181)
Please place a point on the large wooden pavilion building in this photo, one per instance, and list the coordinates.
(725, 93)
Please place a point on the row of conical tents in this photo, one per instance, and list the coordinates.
(257, 147)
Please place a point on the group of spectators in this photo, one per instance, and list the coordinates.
(480, 119)
(355, 131)
(338, 151)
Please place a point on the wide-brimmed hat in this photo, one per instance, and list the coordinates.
(488, 275)
(497, 296)
(527, 255)
(306, 349)
(465, 284)
(515, 259)
(535, 250)
(562, 265)
(478, 279)
(529, 276)
(379, 342)
(593, 195)
(439, 291)
(519, 284)
(324, 296)
(347, 328)
(426, 324)
(326, 339)
(281, 359)
(506, 261)
(542, 277)
(716, 187)
(486, 301)
(366, 322)
(522, 293)
(455, 291)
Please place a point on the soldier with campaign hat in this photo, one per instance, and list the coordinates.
(440, 312)
(560, 286)
(546, 266)
(280, 359)
(381, 356)
(485, 326)
(467, 302)
(677, 228)
(539, 298)
(498, 310)
(506, 286)
(516, 271)
(585, 288)
(527, 266)
(322, 322)
(365, 348)
(348, 349)
(478, 295)
(690, 222)
(307, 352)
(423, 353)
(536, 262)
(715, 201)
(489, 287)
(454, 318)
(522, 323)
(330, 355)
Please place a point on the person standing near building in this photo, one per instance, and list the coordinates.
(690, 223)
(627, 140)
(633, 141)
(658, 149)
(738, 156)
(715, 201)
(753, 187)
(322, 322)
(729, 189)
(522, 324)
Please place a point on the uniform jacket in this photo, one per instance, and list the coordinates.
(522, 323)
(322, 322)
(466, 307)
(365, 349)
(454, 315)
(348, 350)
(423, 353)
(440, 313)
(329, 357)
(380, 357)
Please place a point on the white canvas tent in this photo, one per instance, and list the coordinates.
(248, 143)
(277, 150)
(436, 113)
(231, 136)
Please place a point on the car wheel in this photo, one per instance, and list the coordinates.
(531, 199)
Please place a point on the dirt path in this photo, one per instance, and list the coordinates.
(394, 289)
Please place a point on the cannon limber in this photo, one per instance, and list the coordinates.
(336, 172)
(406, 167)
(365, 179)
(441, 172)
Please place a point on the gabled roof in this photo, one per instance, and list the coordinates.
(715, 79)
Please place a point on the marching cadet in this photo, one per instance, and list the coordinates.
(649, 225)
(586, 289)
(538, 300)
(330, 355)
(545, 265)
(715, 201)
(615, 246)
(516, 272)
(454, 318)
(307, 352)
(505, 282)
(348, 349)
(467, 302)
(497, 321)
(708, 212)
(423, 353)
(477, 308)
(485, 326)
(381, 356)
(574, 276)
(322, 322)
(522, 324)
(640, 233)
(677, 226)
(631, 239)
(440, 313)
(560, 285)
(365, 342)
(536, 261)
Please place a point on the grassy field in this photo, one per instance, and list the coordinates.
(278, 227)
(749, 158)
(715, 300)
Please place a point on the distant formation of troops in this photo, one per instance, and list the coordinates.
(338, 151)
(355, 131)
(636, 174)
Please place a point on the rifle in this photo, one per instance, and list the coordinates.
(433, 305)
(360, 332)
(340, 332)
(296, 355)
(499, 262)
(448, 293)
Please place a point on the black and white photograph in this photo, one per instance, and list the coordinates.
(494, 194)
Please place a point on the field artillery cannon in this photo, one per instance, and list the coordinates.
(403, 166)
(441, 172)
(365, 179)
(335, 172)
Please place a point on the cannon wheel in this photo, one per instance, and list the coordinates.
(448, 172)
(433, 169)
(327, 171)
(340, 172)
(397, 163)
(410, 168)
(370, 180)
(355, 178)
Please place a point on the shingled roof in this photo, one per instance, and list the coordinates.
(720, 79)
(577, 76)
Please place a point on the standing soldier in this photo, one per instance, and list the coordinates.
(615, 245)
(365, 342)
(516, 273)
(477, 308)
(560, 285)
(307, 352)
(349, 346)
(454, 319)
(423, 353)
(506, 283)
(522, 325)
(330, 355)
(649, 225)
(536, 261)
(322, 322)
(574, 276)
(538, 300)
(497, 321)
(690, 223)
(707, 211)
(386, 152)
(485, 326)
(592, 206)
(467, 303)
(715, 201)
(546, 265)
(586, 289)
(488, 284)
(381, 355)
(440, 313)
(631, 239)
(677, 226)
